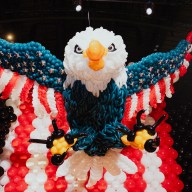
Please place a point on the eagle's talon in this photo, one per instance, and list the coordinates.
(59, 143)
(152, 144)
(69, 139)
(57, 134)
(131, 136)
(139, 126)
(142, 136)
(49, 143)
(58, 159)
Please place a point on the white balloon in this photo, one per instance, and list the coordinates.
(160, 177)
(69, 178)
(30, 163)
(5, 164)
(148, 177)
(4, 180)
(157, 162)
(108, 177)
(41, 177)
(122, 177)
(30, 178)
(153, 168)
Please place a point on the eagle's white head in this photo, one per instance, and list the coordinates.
(95, 57)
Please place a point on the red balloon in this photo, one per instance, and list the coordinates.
(165, 168)
(10, 187)
(177, 169)
(102, 185)
(28, 129)
(19, 129)
(49, 185)
(178, 185)
(12, 171)
(173, 153)
(16, 179)
(21, 186)
(167, 184)
(61, 185)
(130, 184)
(31, 117)
(23, 171)
(141, 184)
(16, 142)
(170, 161)
(141, 169)
(50, 170)
(162, 154)
(22, 135)
(137, 154)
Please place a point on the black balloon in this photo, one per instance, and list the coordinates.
(1, 171)
(7, 116)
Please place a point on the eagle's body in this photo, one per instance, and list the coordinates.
(98, 117)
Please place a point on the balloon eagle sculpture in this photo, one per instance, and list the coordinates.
(90, 123)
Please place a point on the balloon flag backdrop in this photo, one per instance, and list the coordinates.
(91, 123)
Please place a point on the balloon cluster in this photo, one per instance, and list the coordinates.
(181, 120)
(7, 116)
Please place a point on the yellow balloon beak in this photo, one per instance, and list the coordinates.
(95, 53)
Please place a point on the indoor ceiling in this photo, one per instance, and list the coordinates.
(54, 22)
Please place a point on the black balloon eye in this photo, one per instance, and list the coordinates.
(112, 48)
(78, 49)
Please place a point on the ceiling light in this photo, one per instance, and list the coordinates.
(78, 8)
(78, 5)
(149, 8)
(149, 11)
(9, 37)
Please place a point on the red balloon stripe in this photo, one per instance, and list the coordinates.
(62, 115)
(18, 158)
(42, 98)
(26, 89)
(168, 155)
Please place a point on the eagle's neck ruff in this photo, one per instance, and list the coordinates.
(95, 87)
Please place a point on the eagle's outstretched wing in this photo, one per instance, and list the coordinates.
(24, 66)
(151, 79)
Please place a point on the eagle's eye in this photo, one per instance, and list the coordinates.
(112, 48)
(78, 49)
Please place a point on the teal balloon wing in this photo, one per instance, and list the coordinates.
(34, 61)
(29, 69)
(152, 78)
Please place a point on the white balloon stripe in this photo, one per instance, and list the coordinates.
(146, 94)
(38, 161)
(39, 109)
(186, 63)
(5, 78)
(152, 175)
(134, 101)
(51, 101)
(167, 81)
(158, 93)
